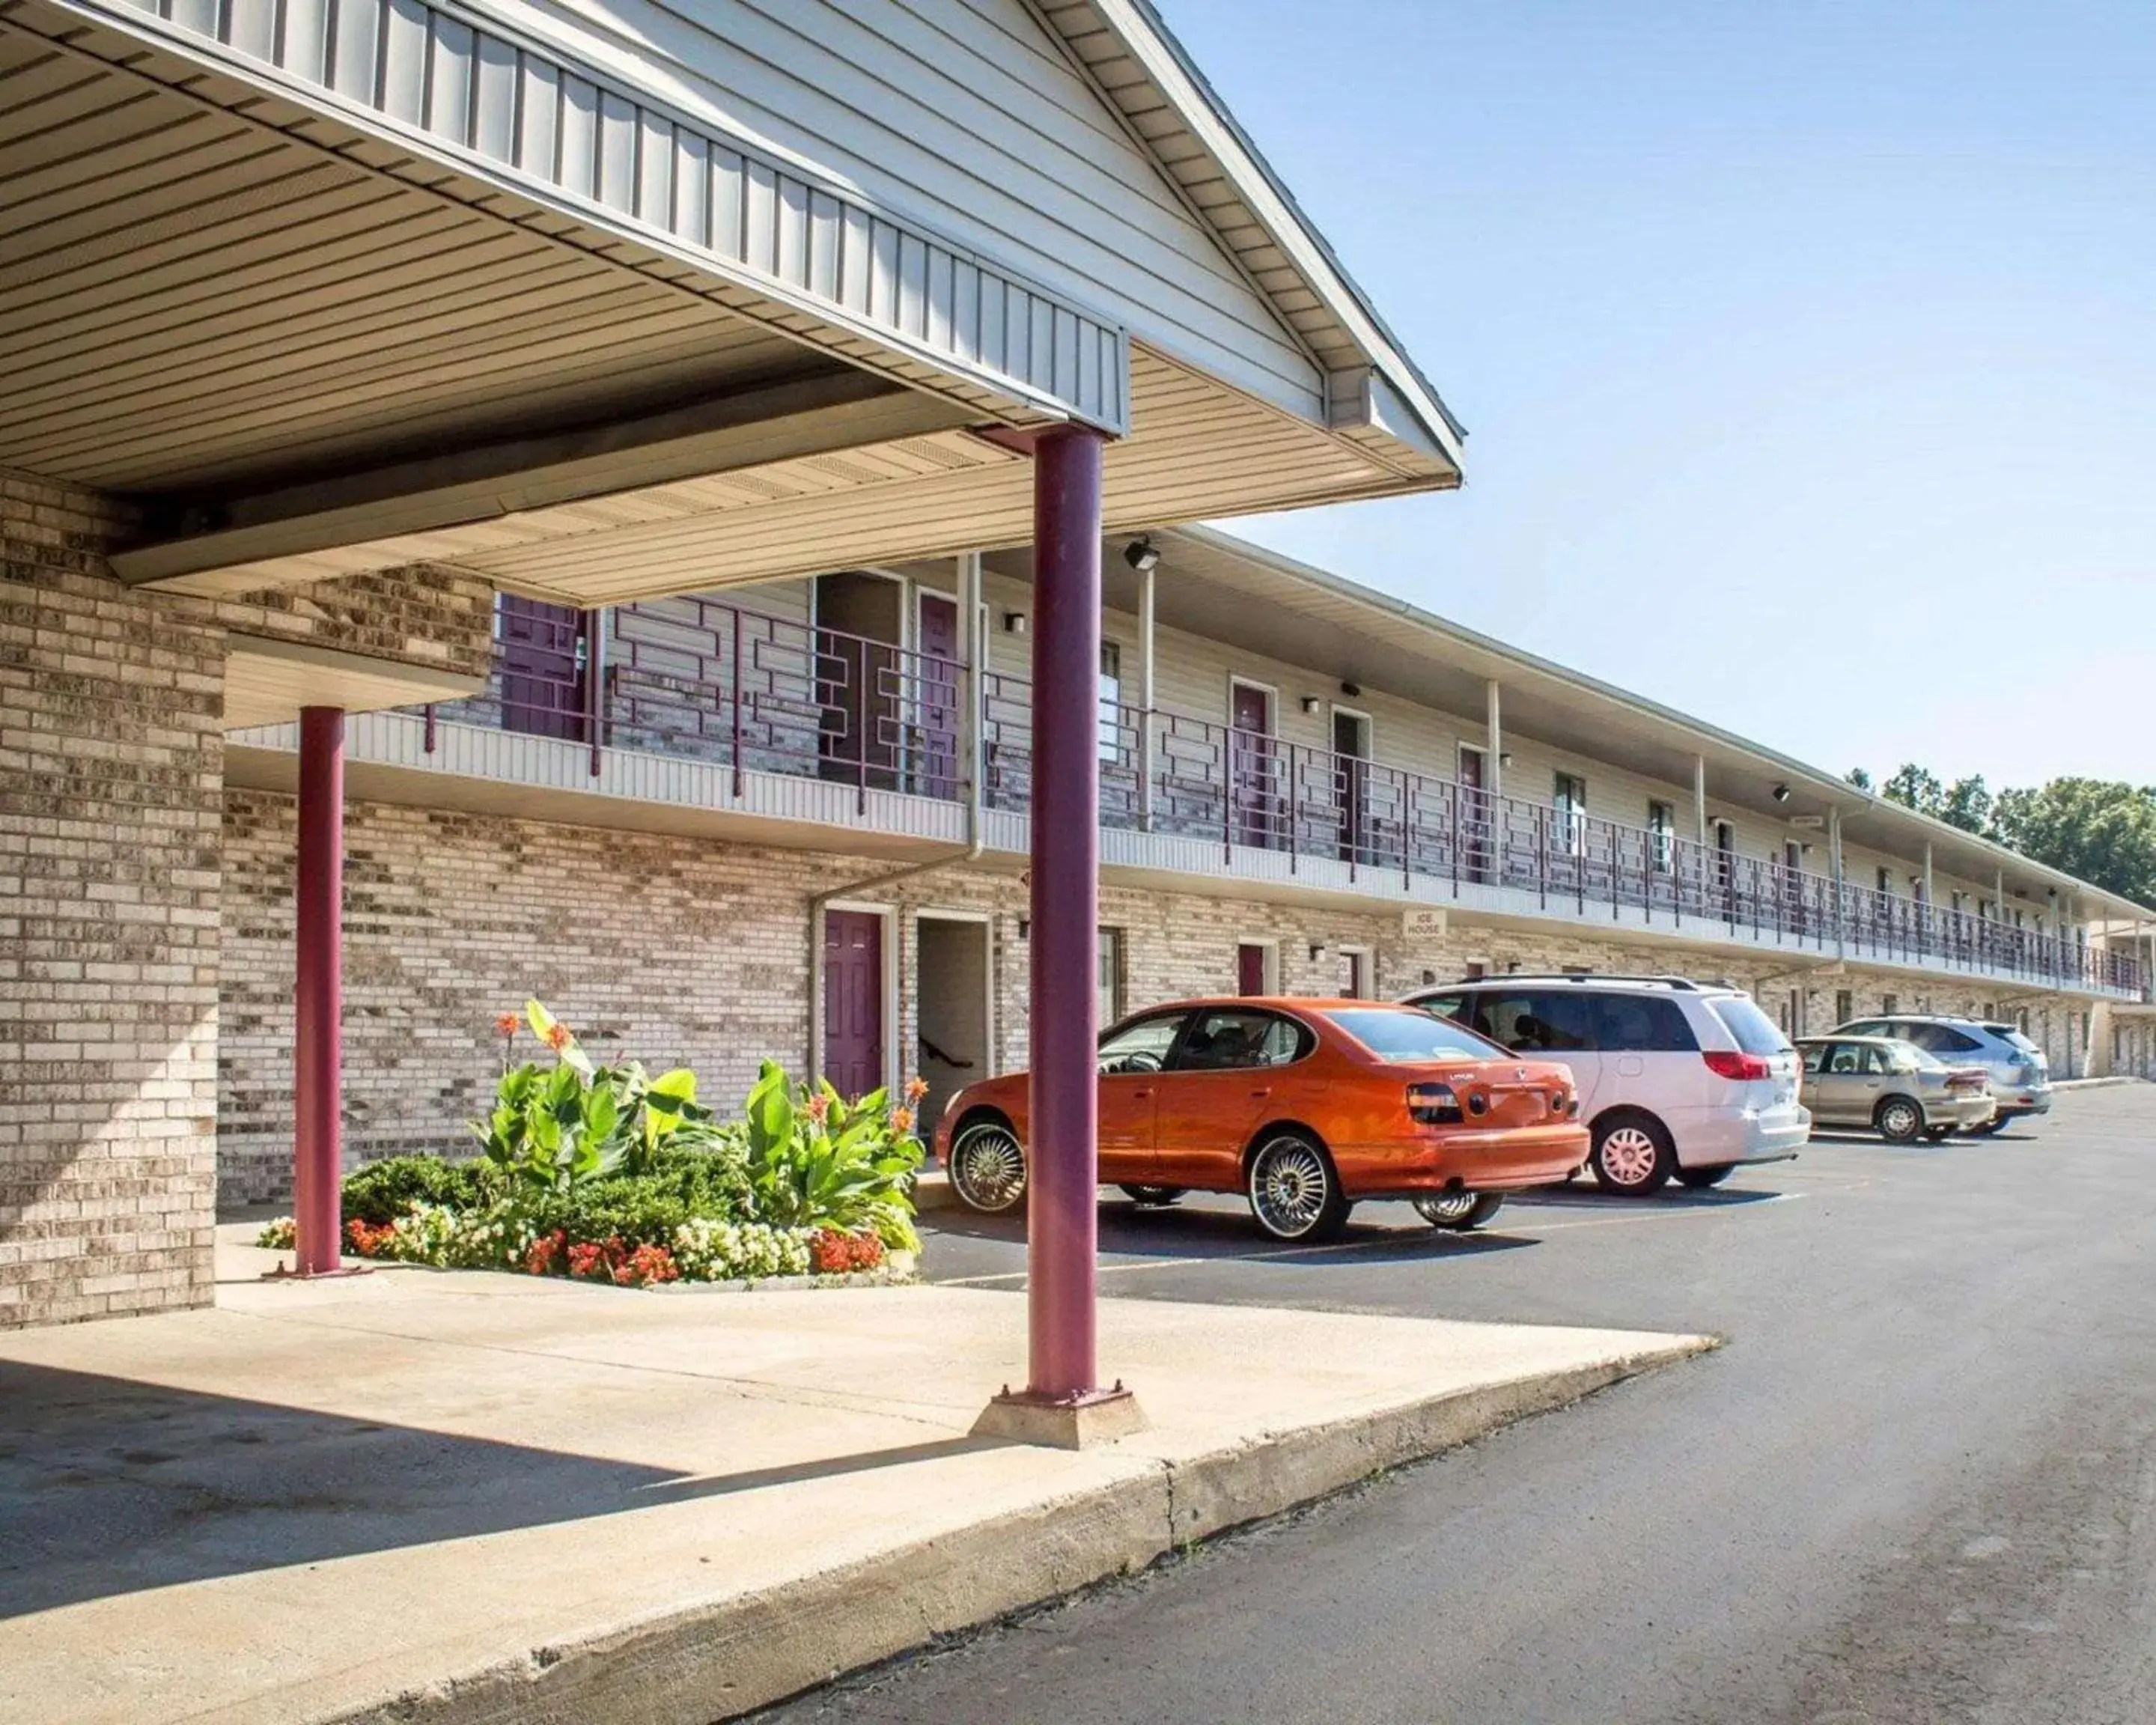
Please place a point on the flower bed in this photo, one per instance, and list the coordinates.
(605, 1174)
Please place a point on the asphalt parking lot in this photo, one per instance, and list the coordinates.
(1918, 1484)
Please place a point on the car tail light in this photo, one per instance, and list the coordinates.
(1728, 1063)
(1965, 1080)
(1434, 1103)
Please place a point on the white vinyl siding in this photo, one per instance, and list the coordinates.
(971, 118)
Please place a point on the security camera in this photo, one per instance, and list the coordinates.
(1143, 555)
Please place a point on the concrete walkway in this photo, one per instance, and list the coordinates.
(465, 1496)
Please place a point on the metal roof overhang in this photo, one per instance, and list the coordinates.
(1214, 585)
(334, 288)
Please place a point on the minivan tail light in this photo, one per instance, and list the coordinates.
(1728, 1063)
(1434, 1103)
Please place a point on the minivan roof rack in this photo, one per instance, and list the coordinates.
(1597, 976)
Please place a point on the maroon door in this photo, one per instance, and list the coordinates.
(1250, 970)
(937, 774)
(544, 656)
(1251, 764)
(852, 1001)
(1475, 812)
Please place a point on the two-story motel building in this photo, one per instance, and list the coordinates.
(492, 495)
(742, 824)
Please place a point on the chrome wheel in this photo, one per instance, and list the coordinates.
(988, 1168)
(1293, 1193)
(1900, 1119)
(1629, 1156)
(1446, 1209)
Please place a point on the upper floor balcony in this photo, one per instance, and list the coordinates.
(748, 693)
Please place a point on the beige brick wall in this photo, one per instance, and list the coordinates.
(674, 951)
(111, 828)
(442, 619)
(110, 812)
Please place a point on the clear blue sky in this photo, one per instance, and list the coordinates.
(1808, 351)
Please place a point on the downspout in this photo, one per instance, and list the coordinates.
(970, 647)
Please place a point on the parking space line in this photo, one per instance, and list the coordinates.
(1389, 1240)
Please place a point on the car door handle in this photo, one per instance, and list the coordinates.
(1258, 1095)
(1141, 1094)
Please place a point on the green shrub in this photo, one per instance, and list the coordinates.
(381, 1192)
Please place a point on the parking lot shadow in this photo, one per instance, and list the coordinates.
(1592, 1198)
(109, 1486)
(1222, 1228)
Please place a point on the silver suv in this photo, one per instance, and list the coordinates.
(1676, 1078)
(2021, 1075)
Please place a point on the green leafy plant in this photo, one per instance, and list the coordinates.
(816, 1160)
(554, 1129)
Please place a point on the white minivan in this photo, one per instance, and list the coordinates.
(1676, 1079)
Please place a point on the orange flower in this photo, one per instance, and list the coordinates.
(559, 1037)
(902, 1120)
(916, 1089)
(507, 1023)
(818, 1108)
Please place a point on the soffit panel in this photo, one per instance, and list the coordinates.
(447, 101)
(188, 301)
(1199, 449)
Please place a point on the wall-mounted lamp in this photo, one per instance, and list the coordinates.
(1781, 794)
(1505, 758)
(1014, 623)
(1317, 953)
(1143, 555)
(1310, 703)
(1351, 690)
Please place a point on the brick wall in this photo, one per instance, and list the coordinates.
(111, 827)
(677, 951)
(442, 619)
(111, 811)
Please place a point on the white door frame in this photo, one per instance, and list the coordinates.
(986, 920)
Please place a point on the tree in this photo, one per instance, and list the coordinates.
(2102, 831)
(1966, 803)
(1859, 778)
(1914, 787)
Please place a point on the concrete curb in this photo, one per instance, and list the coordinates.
(2117, 1078)
(718, 1659)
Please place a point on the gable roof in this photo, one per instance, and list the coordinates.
(1146, 75)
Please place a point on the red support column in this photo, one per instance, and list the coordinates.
(318, 1035)
(1063, 1403)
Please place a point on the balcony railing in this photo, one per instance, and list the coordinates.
(751, 691)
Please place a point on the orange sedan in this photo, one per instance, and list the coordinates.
(1303, 1106)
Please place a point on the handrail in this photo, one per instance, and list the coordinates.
(753, 690)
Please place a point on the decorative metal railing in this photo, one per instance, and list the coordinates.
(758, 692)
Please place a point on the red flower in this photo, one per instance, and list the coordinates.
(646, 1267)
(833, 1253)
(507, 1023)
(818, 1108)
(539, 1260)
(365, 1240)
(559, 1037)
